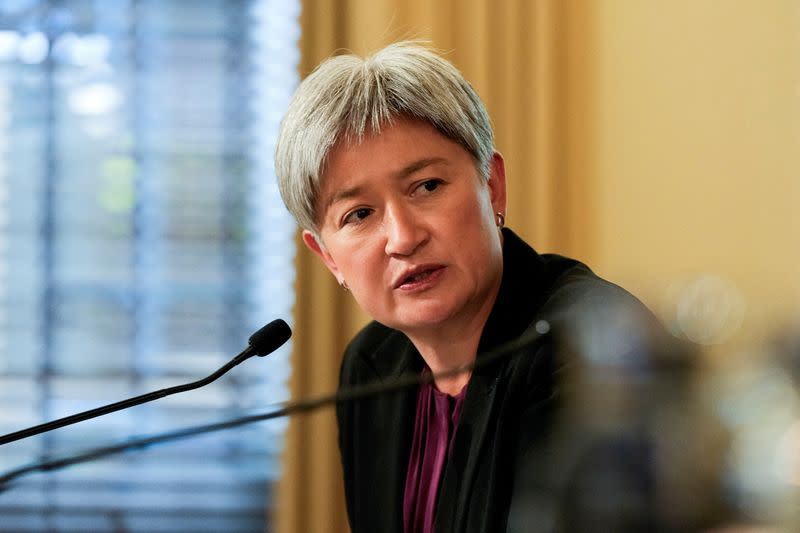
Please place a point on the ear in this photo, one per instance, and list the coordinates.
(313, 244)
(497, 183)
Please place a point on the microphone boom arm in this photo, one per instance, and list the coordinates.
(267, 339)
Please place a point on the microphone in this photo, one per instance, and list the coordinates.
(263, 342)
(306, 405)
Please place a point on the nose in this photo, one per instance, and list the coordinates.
(405, 230)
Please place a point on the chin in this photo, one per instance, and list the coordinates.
(430, 317)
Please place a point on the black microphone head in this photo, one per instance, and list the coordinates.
(270, 337)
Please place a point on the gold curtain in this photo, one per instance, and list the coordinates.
(513, 53)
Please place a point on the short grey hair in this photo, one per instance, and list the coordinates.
(347, 97)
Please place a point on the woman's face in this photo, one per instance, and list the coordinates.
(408, 223)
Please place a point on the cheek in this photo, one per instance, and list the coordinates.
(360, 263)
(478, 202)
(487, 209)
(483, 221)
(369, 288)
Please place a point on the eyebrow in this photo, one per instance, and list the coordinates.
(398, 175)
(417, 165)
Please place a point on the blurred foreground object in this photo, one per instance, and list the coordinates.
(646, 439)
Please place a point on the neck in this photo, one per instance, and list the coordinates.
(445, 358)
(449, 346)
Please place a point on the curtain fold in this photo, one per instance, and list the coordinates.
(513, 54)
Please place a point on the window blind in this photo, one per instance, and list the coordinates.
(142, 240)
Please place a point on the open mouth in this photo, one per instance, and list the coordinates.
(420, 278)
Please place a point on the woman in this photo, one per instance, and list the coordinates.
(389, 166)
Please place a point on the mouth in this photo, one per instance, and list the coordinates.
(419, 277)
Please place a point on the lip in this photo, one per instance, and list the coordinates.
(434, 273)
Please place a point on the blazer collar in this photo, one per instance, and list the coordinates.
(520, 294)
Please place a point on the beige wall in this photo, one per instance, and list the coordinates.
(689, 145)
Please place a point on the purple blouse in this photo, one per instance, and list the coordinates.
(434, 426)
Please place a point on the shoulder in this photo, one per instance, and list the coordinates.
(574, 286)
(550, 286)
(600, 321)
(584, 311)
(560, 283)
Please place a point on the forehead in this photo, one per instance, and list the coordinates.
(397, 150)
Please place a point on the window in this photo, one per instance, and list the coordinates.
(142, 240)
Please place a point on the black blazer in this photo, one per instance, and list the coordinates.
(508, 406)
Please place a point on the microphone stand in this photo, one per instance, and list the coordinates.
(264, 341)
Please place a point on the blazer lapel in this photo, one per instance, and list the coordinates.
(467, 450)
(392, 446)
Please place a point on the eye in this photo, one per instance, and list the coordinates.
(356, 216)
(429, 185)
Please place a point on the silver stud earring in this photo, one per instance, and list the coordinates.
(343, 284)
(500, 219)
